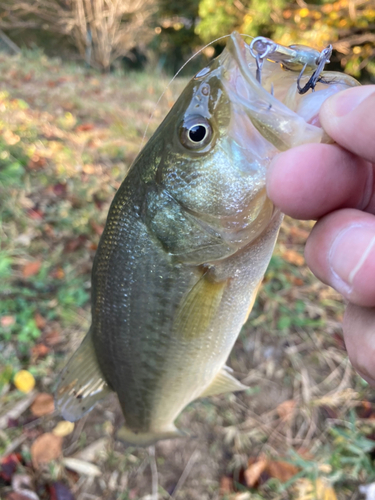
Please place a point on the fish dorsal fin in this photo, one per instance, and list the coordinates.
(223, 382)
(199, 308)
(81, 384)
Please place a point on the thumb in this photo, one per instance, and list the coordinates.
(348, 117)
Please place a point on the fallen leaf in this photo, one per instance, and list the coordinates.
(35, 213)
(254, 471)
(16, 410)
(58, 273)
(96, 227)
(63, 428)
(283, 471)
(52, 338)
(88, 168)
(226, 485)
(285, 410)
(7, 321)
(22, 495)
(59, 189)
(39, 321)
(36, 162)
(299, 233)
(43, 405)
(94, 449)
(45, 448)
(85, 127)
(58, 491)
(82, 467)
(8, 466)
(293, 257)
(22, 487)
(365, 410)
(40, 350)
(318, 490)
(297, 281)
(31, 268)
(24, 381)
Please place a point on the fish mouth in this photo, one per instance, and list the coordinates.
(277, 123)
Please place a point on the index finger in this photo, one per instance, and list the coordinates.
(309, 181)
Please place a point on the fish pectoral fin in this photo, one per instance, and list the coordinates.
(223, 382)
(148, 438)
(199, 308)
(81, 384)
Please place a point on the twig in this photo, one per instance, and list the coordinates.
(154, 473)
(185, 472)
(9, 42)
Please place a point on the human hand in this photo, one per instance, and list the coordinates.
(335, 184)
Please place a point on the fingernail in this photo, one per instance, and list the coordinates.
(349, 252)
(344, 102)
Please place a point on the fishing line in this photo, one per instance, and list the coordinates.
(175, 76)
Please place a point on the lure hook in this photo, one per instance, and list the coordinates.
(261, 48)
(292, 58)
(323, 59)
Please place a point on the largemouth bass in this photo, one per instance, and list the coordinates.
(187, 241)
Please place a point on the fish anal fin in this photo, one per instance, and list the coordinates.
(150, 437)
(81, 384)
(223, 382)
(199, 308)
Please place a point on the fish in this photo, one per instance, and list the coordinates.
(188, 238)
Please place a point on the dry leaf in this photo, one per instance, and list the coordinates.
(52, 338)
(45, 448)
(283, 471)
(85, 127)
(59, 491)
(319, 490)
(6, 321)
(82, 467)
(58, 273)
(16, 410)
(285, 410)
(95, 449)
(43, 405)
(39, 321)
(63, 428)
(40, 350)
(226, 485)
(31, 268)
(24, 381)
(254, 471)
(293, 257)
(325, 491)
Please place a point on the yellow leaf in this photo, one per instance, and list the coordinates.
(325, 491)
(24, 381)
(319, 490)
(63, 428)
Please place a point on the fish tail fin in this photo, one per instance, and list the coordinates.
(81, 384)
(148, 438)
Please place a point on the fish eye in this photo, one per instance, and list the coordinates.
(195, 132)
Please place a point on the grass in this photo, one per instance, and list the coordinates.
(68, 136)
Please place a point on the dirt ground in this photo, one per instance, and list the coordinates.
(304, 427)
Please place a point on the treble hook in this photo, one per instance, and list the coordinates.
(292, 58)
(322, 60)
(264, 47)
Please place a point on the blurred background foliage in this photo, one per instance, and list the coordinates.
(165, 33)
